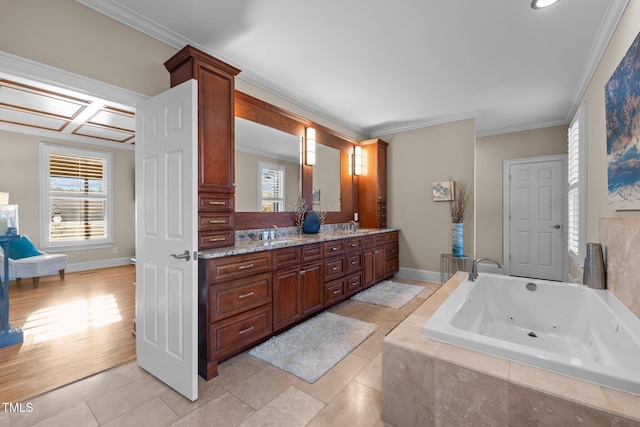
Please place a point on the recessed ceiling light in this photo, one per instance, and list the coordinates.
(539, 4)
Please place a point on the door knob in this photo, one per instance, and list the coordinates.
(185, 256)
(557, 226)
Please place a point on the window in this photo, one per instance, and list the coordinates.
(76, 197)
(271, 185)
(577, 197)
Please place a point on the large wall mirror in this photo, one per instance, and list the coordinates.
(270, 174)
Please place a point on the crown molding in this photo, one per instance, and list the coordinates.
(524, 128)
(419, 124)
(152, 29)
(610, 22)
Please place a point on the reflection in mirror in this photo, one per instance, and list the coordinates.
(326, 179)
(267, 168)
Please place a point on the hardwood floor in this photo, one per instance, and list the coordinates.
(73, 328)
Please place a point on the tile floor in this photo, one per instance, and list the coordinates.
(247, 391)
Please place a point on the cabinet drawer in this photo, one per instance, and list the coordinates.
(311, 252)
(391, 266)
(216, 239)
(391, 250)
(333, 268)
(354, 263)
(238, 266)
(353, 245)
(333, 248)
(215, 202)
(382, 206)
(286, 257)
(378, 239)
(215, 221)
(392, 236)
(334, 292)
(367, 242)
(229, 299)
(232, 335)
(353, 284)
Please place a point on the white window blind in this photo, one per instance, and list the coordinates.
(76, 196)
(271, 183)
(576, 197)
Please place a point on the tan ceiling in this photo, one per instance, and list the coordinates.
(31, 107)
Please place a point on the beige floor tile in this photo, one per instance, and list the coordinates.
(263, 387)
(371, 375)
(330, 384)
(117, 402)
(154, 413)
(355, 406)
(372, 346)
(291, 408)
(226, 410)
(54, 402)
(79, 415)
(230, 374)
(5, 420)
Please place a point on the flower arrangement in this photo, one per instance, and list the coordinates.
(458, 206)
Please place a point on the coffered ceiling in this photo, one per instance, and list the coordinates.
(33, 107)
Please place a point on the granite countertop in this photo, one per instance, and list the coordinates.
(247, 246)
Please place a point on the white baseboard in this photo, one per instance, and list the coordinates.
(415, 274)
(92, 265)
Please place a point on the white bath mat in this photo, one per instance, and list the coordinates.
(389, 294)
(311, 348)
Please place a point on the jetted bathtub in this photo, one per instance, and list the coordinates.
(562, 327)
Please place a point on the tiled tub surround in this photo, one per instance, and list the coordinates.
(620, 239)
(427, 382)
(563, 327)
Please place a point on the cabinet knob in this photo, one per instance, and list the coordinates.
(301, 272)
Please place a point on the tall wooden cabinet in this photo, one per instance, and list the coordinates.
(216, 179)
(372, 185)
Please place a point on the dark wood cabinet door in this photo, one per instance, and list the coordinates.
(286, 298)
(215, 142)
(312, 288)
(378, 264)
(368, 275)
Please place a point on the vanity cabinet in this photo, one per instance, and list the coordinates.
(391, 253)
(373, 259)
(245, 298)
(234, 307)
(215, 141)
(372, 185)
(297, 284)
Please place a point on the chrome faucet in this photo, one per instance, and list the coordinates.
(352, 226)
(275, 233)
(474, 270)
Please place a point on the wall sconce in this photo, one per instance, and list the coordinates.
(4, 198)
(357, 160)
(311, 147)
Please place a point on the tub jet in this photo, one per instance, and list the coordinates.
(532, 334)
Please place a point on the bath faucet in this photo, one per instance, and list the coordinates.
(474, 270)
(352, 226)
(275, 233)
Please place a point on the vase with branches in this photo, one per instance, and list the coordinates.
(457, 208)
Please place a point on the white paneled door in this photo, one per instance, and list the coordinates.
(536, 218)
(166, 237)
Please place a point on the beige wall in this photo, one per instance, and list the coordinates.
(70, 36)
(20, 175)
(597, 196)
(491, 151)
(416, 159)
